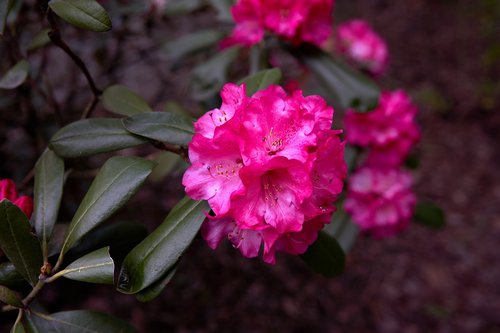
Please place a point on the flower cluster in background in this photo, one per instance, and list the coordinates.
(295, 21)
(356, 40)
(380, 198)
(8, 191)
(270, 167)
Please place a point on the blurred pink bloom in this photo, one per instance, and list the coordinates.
(363, 46)
(380, 201)
(269, 166)
(8, 191)
(294, 20)
(390, 130)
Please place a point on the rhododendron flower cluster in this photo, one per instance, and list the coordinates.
(8, 191)
(390, 131)
(381, 200)
(363, 46)
(294, 20)
(270, 167)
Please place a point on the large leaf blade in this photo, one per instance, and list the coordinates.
(95, 267)
(116, 182)
(15, 76)
(18, 243)
(80, 321)
(10, 297)
(121, 100)
(325, 256)
(93, 136)
(159, 252)
(429, 215)
(261, 80)
(162, 126)
(49, 182)
(85, 14)
(191, 43)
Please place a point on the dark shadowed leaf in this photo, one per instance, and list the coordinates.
(159, 252)
(155, 290)
(349, 87)
(18, 243)
(343, 229)
(15, 76)
(121, 100)
(49, 181)
(9, 276)
(181, 7)
(10, 297)
(208, 78)
(430, 215)
(4, 11)
(261, 80)
(162, 126)
(85, 14)
(223, 8)
(17, 328)
(325, 256)
(191, 43)
(114, 185)
(93, 136)
(39, 40)
(95, 267)
(80, 321)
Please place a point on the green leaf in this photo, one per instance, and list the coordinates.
(80, 321)
(49, 181)
(41, 39)
(93, 136)
(181, 47)
(348, 86)
(208, 78)
(161, 126)
(121, 100)
(18, 243)
(17, 328)
(114, 185)
(161, 250)
(177, 8)
(167, 162)
(85, 14)
(95, 267)
(9, 276)
(223, 8)
(10, 297)
(261, 80)
(325, 256)
(4, 11)
(155, 290)
(343, 229)
(430, 215)
(15, 76)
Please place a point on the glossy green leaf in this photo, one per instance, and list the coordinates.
(348, 86)
(80, 321)
(85, 14)
(49, 181)
(10, 297)
(191, 43)
(325, 256)
(114, 185)
(167, 162)
(155, 290)
(261, 80)
(17, 328)
(95, 267)
(161, 250)
(4, 11)
(39, 40)
(430, 215)
(93, 136)
(208, 78)
(121, 100)
(15, 76)
(18, 243)
(9, 276)
(162, 126)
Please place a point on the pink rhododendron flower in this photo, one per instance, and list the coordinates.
(270, 167)
(8, 191)
(380, 201)
(390, 131)
(294, 20)
(357, 40)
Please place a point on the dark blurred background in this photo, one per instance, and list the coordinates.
(445, 53)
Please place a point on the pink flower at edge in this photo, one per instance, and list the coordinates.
(357, 40)
(380, 200)
(269, 170)
(8, 191)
